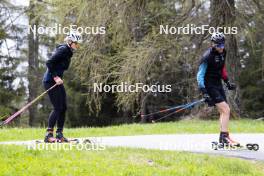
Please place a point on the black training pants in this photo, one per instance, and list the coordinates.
(57, 97)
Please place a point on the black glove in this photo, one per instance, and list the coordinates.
(206, 96)
(230, 86)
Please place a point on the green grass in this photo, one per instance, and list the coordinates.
(184, 126)
(18, 160)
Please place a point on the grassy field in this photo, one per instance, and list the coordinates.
(18, 160)
(185, 126)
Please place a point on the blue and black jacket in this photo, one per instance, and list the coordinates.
(58, 62)
(212, 69)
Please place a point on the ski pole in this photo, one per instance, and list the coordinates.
(12, 117)
(163, 111)
(189, 105)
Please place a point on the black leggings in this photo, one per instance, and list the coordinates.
(57, 97)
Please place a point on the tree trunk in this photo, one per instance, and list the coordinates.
(33, 64)
(223, 14)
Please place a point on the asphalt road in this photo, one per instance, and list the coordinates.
(196, 143)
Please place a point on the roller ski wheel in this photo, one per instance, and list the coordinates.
(224, 146)
(254, 147)
(68, 141)
(87, 141)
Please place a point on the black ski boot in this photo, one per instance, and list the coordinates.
(226, 141)
(49, 137)
(60, 138)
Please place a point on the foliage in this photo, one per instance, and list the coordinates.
(9, 95)
(251, 53)
(132, 50)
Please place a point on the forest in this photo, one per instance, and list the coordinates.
(128, 41)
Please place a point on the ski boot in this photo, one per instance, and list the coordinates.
(49, 137)
(60, 138)
(226, 141)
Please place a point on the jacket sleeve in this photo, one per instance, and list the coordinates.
(54, 60)
(224, 74)
(202, 70)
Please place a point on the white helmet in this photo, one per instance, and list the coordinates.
(218, 37)
(74, 37)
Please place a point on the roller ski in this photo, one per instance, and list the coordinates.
(76, 141)
(221, 146)
(226, 143)
(49, 138)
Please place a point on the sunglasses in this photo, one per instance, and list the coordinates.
(222, 46)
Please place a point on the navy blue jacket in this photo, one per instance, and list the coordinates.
(212, 69)
(58, 62)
